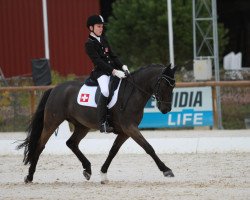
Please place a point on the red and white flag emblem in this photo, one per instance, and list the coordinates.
(84, 98)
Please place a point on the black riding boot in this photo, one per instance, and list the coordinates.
(102, 115)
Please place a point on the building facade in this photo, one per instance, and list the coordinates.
(22, 35)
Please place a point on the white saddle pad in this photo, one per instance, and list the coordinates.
(86, 96)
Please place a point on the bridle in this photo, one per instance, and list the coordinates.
(169, 80)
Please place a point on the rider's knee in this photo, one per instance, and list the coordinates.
(105, 92)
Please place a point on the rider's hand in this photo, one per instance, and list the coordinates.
(125, 68)
(118, 73)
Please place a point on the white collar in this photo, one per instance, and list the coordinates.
(96, 37)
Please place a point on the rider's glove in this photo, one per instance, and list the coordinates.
(118, 73)
(125, 68)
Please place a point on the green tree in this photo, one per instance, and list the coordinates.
(138, 31)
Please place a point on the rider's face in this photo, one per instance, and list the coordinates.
(98, 29)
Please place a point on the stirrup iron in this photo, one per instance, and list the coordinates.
(105, 128)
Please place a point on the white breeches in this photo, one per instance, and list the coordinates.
(103, 81)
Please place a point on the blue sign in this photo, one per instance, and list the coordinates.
(190, 107)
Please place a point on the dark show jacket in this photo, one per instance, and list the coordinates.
(103, 58)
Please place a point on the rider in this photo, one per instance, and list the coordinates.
(105, 63)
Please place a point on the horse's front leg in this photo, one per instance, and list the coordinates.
(136, 135)
(120, 139)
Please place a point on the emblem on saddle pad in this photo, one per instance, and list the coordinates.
(87, 96)
(84, 97)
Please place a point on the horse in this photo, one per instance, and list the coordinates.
(59, 104)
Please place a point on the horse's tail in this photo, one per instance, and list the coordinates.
(34, 130)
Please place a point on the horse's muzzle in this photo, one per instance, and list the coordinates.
(165, 107)
(165, 111)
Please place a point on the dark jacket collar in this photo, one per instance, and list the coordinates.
(94, 39)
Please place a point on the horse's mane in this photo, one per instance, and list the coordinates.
(147, 66)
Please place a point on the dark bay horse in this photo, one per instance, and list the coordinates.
(60, 103)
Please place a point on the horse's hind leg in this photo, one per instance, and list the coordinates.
(79, 133)
(45, 135)
(120, 139)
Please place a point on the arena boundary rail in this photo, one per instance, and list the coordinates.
(213, 84)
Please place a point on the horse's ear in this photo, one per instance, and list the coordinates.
(174, 69)
(169, 66)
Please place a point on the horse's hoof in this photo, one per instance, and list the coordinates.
(104, 178)
(86, 175)
(105, 182)
(168, 173)
(27, 179)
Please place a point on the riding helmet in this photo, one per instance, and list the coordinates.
(94, 19)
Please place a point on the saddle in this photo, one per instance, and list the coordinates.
(90, 92)
(113, 85)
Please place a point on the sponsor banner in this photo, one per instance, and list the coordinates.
(190, 107)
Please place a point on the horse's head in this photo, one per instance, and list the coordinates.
(164, 89)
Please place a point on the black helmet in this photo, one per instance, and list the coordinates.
(94, 19)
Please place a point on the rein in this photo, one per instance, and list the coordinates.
(155, 95)
(123, 105)
(138, 87)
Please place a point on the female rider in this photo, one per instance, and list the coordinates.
(105, 63)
